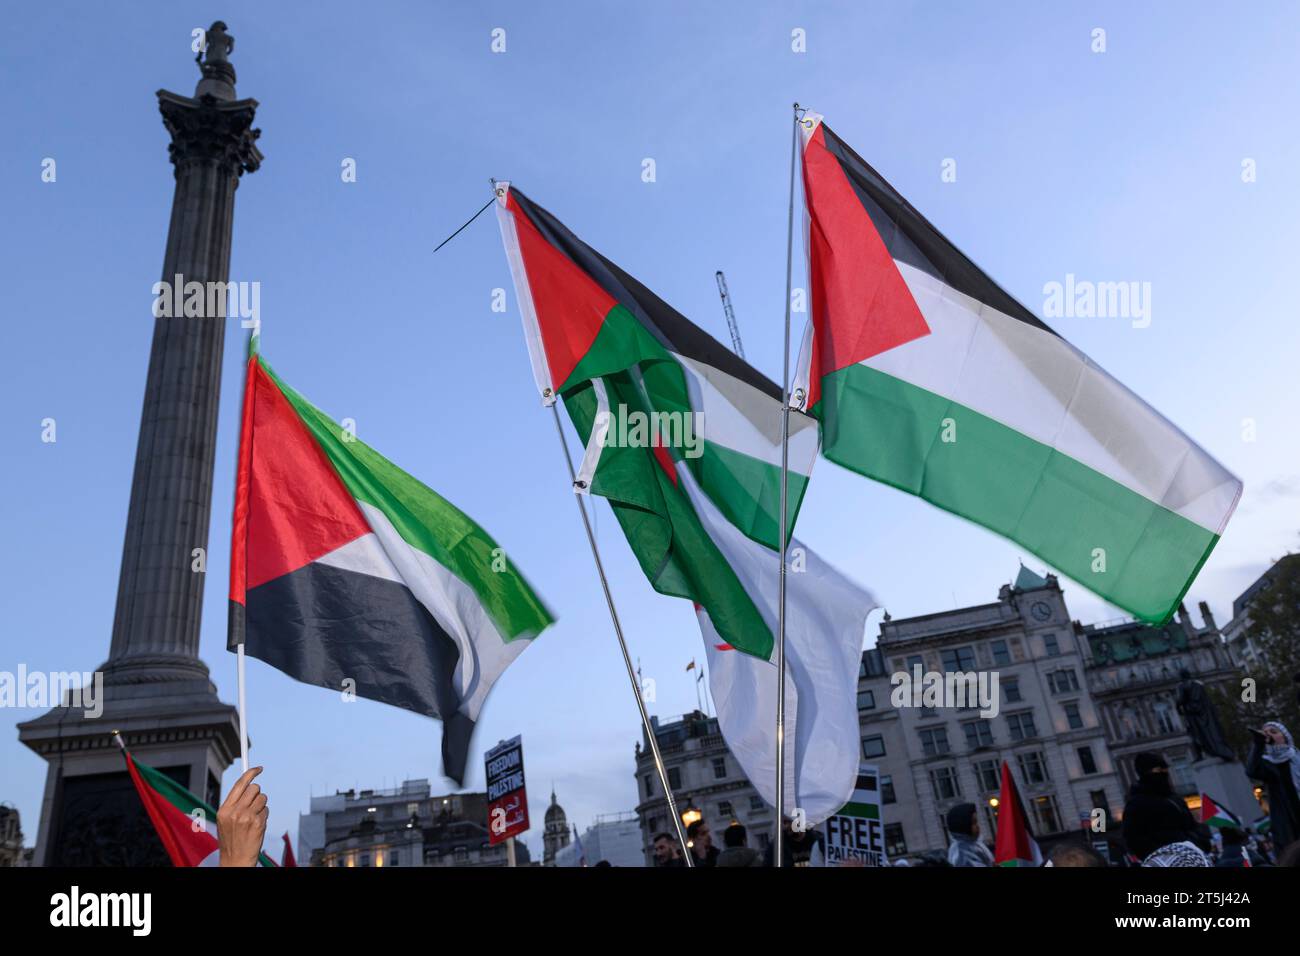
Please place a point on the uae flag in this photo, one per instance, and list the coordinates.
(1015, 845)
(1215, 814)
(186, 825)
(346, 568)
(927, 376)
(697, 489)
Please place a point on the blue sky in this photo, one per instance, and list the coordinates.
(1115, 166)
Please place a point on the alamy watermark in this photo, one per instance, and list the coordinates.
(638, 429)
(56, 689)
(1084, 299)
(207, 300)
(958, 689)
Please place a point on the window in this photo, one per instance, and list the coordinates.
(1021, 725)
(461, 854)
(862, 668)
(1001, 653)
(895, 842)
(959, 659)
(675, 777)
(913, 662)
(944, 781)
(1086, 761)
(887, 794)
(934, 741)
(1063, 681)
(1072, 714)
(978, 734)
(394, 858)
(873, 747)
(756, 804)
(988, 774)
(719, 768)
(725, 811)
(1049, 642)
(1049, 820)
(1011, 690)
(650, 785)
(365, 859)
(1032, 767)
(1164, 717)
(866, 700)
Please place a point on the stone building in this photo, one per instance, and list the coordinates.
(11, 836)
(405, 826)
(706, 781)
(1047, 728)
(1238, 633)
(555, 834)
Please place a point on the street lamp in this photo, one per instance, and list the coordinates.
(689, 816)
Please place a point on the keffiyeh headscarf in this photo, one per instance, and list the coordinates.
(1284, 753)
(1182, 853)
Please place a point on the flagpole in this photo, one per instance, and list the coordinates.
(778, 857)
(254, 346)
(622, 643)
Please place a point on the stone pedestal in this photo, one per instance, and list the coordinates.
(1226, 783)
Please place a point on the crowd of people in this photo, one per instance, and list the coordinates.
(1158, 828)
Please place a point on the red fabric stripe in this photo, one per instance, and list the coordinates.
(184, 846)
(297, 506)
(287, 858)
(243, 477)
(1013, 832)
(570, 306)
(860, 304)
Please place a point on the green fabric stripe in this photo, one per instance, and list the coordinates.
(745, 489)
(665, 534)
(868, 810)
(1046, 501)
(428, 522)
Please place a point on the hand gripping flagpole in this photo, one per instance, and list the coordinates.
(622, 643)
(779, 849)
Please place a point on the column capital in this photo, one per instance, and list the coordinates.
(208, 130)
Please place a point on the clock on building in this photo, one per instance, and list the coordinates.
(1040, 610)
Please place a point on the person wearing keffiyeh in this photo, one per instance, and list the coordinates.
(1275, 762)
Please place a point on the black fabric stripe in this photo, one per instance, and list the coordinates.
(322, 625)
(673, 330)
(911, 238)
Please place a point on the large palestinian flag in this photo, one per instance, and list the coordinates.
(680, 432)
(346, 568)
(1015, 844)
(927, 376)
(186, 825)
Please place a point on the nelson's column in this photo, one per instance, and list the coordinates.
(157, 691)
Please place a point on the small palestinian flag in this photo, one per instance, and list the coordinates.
(677, 427)
(346, 568)
(929, 377)
(186, 825)
(1015, 845)
(1215, 814)
(287, 857)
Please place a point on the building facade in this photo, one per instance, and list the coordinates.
(555, 833)
(615, 838)
(1047, 727)
(11, 836)
(705, 779)
(1238, 635)
(405, 826)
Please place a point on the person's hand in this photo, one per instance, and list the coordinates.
(241, 822)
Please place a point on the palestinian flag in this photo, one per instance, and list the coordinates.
(927, 376)
(1215, 814)
(703, 521)
(186, 825)
(286, 856)
(680, 433)
(346, 568)
(1015, 845)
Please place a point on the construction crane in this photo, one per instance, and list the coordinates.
(731, 315)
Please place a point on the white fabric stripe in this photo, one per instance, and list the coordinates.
(1043, 387)
(596, 442)
(826, 615)
(741, 417)
(523, 292)
(452, 602)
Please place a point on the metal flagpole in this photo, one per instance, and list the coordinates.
(627, 658)
(778, 857)
(243, 722)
